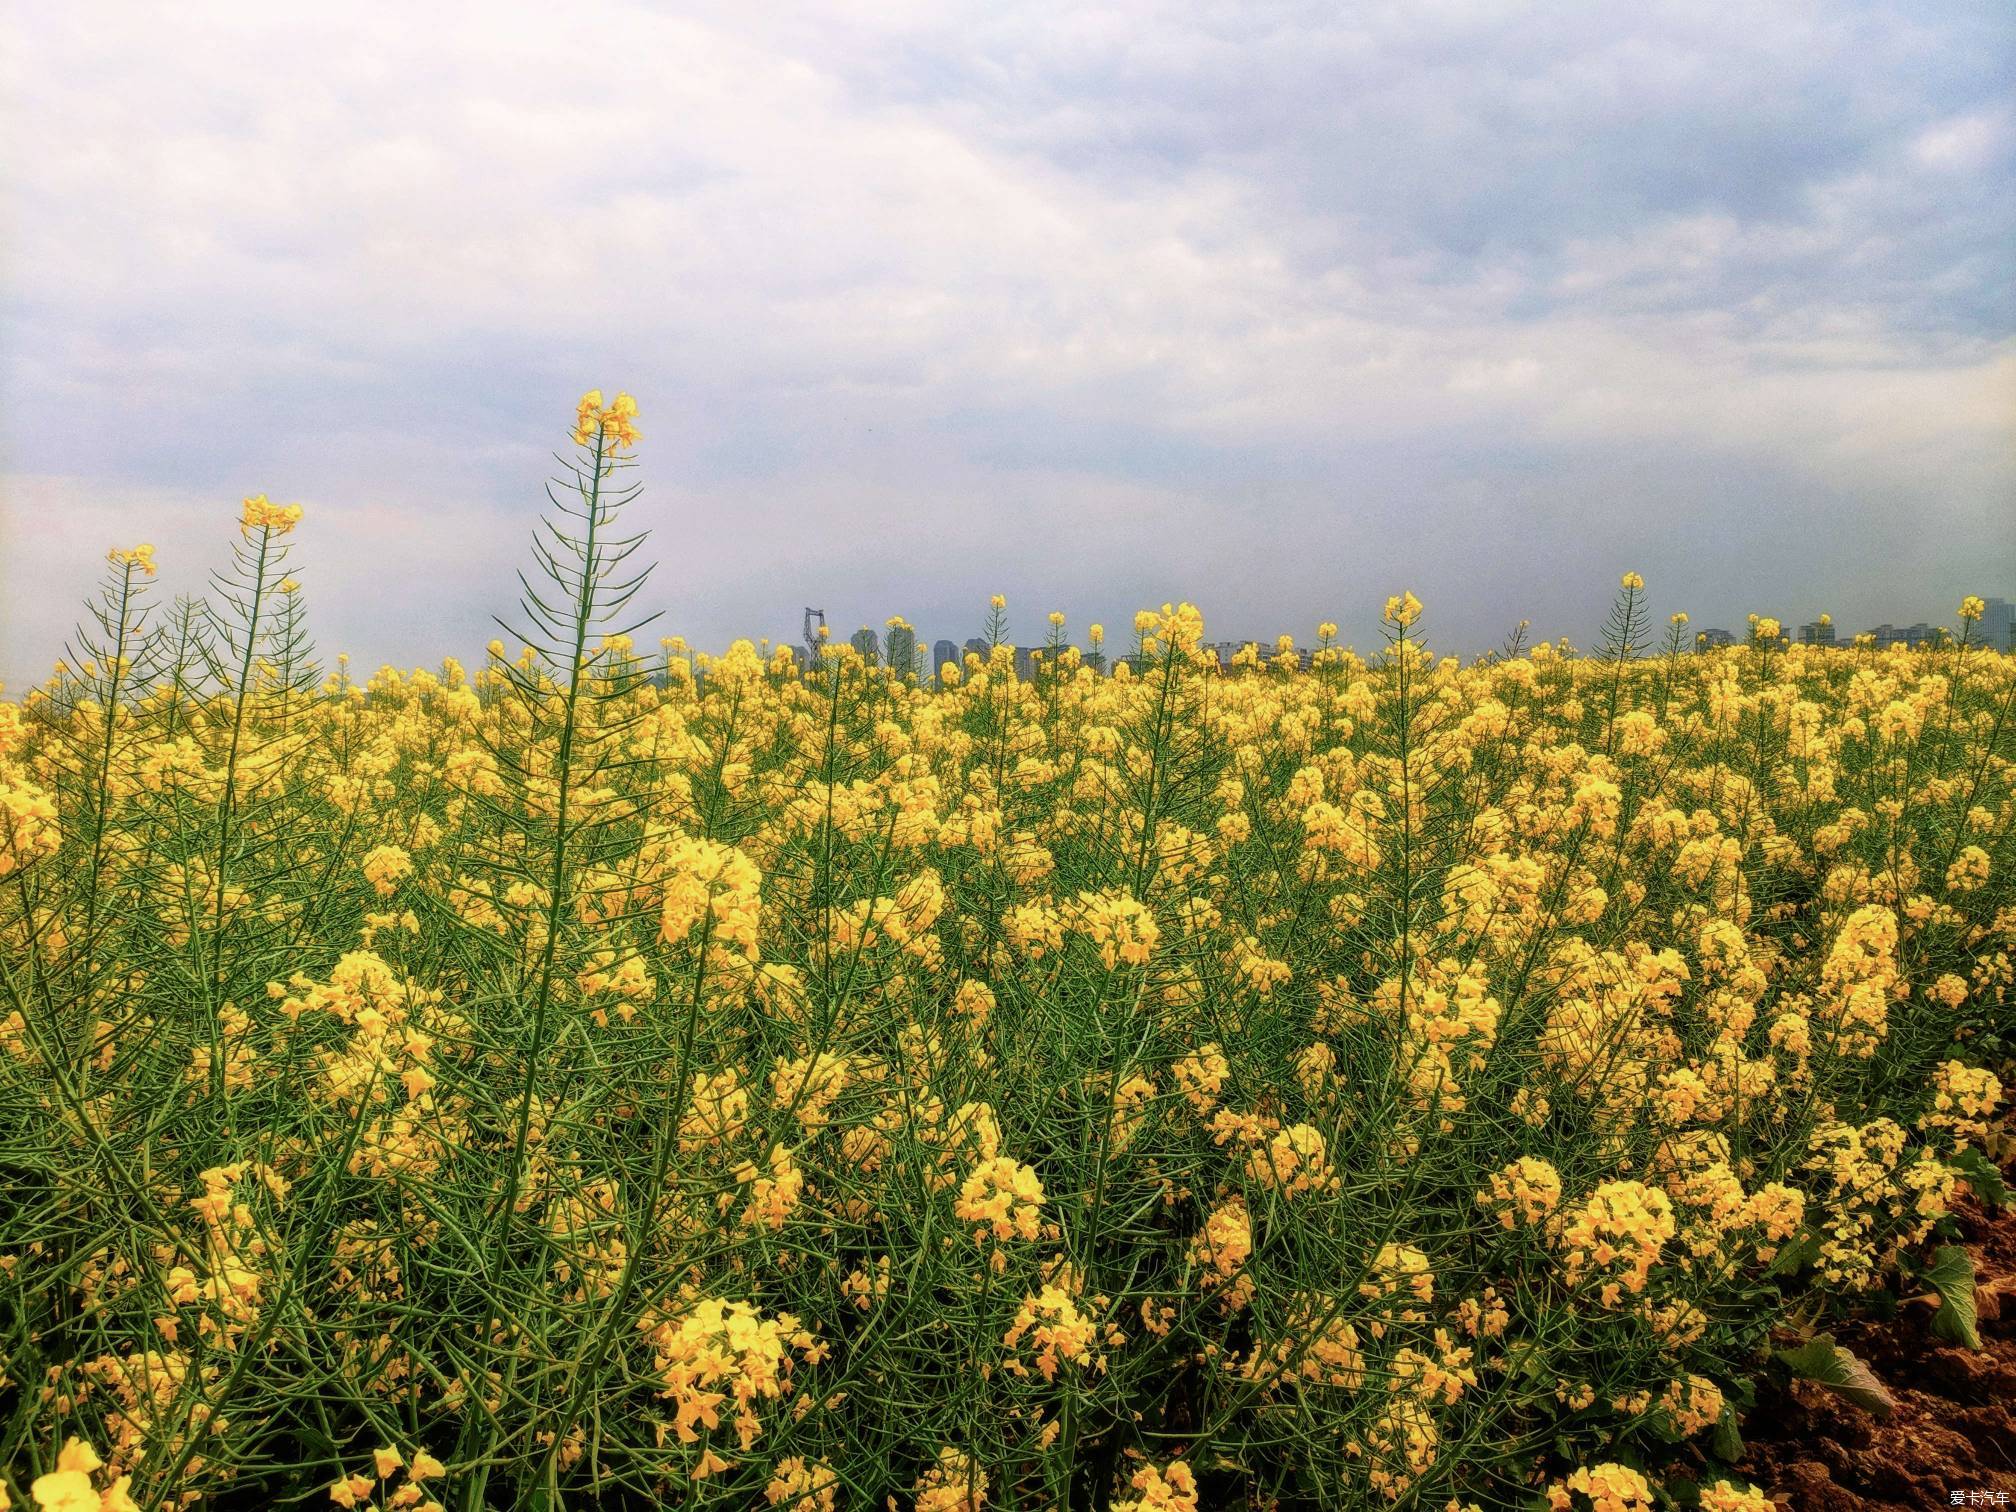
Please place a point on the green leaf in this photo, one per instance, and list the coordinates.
(1821, 1359)
(1952, 1276)
(1726, 1442)
(1530, 1360)
(1797, 1255)
(1983, 1176)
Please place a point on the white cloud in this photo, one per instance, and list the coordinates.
(867, 264)
(1963, 143)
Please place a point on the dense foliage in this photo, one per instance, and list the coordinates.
(713, 1082)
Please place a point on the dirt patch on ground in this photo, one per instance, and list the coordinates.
(1955, 1425)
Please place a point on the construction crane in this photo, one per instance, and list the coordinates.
(814, 638)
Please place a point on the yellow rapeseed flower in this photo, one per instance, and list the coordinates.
(260, 513)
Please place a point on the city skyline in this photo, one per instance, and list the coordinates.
(1995, 629)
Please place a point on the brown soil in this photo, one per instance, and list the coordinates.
(1954, 1429)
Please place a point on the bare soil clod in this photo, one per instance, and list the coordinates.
(1954, 1431)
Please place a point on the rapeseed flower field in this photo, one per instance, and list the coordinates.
(614, 1075)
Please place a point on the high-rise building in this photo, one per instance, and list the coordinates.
(1819, 632)
(1920, 634)
(1713, 639)
(1225, 651)
(863, 640)
(1997, 628)
(942, 652)
(975, 646)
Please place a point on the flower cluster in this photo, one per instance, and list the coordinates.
(1616, 1236)
(1522, 1192)
(614, 422)
(716, 1354)
(262, 514)
(1601, 1488)
(1004, 1198)
(1169, 1488)
(70, 1487)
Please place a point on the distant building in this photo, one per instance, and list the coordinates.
(1025, 661)
(942, 652)
(1225, 652)
(1713, 639)
(1818, 633)
(1920, 634)
(1997, 628)
(863, 640)
(975, 646)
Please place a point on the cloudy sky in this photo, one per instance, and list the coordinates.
(1276, 307)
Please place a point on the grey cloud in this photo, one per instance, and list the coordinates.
(1277, 307)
